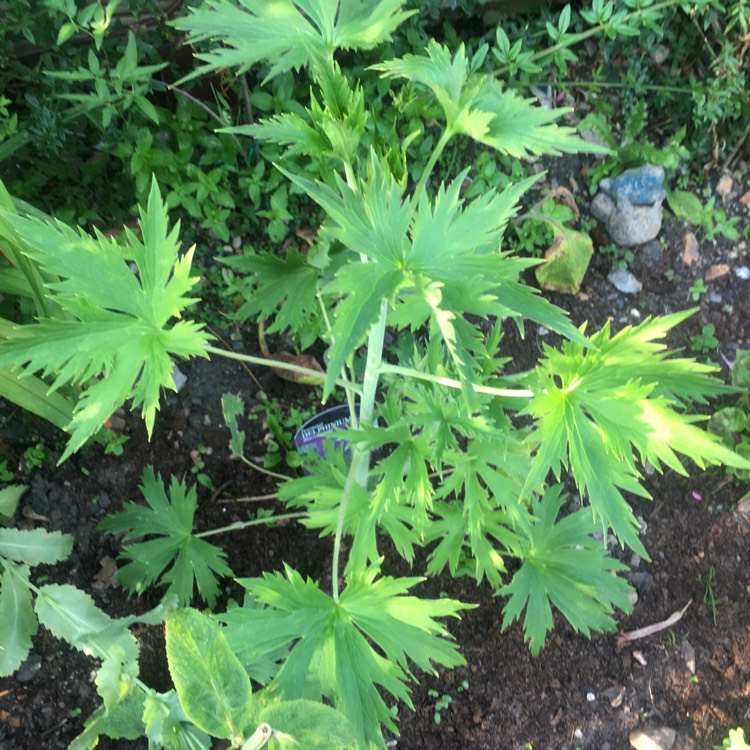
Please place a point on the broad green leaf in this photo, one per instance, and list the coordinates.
(565, 262)
(116, 321)
(35, 547)
(685, 206)
(9, 497)
(288, 34)
(307, 724)
(330, 653)
(17, 620)
(174, 556)
(122, 720)
(563, 565)
(167, 725)
(213, 688)
(72, 615)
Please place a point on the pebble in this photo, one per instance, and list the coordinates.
(688, 654)
(590, 697)
(690, 252)
(724, 185)
(625, 282)
(742, 272)
(642, 580)
(657, 738)
(28, 670)
(650, 253)
(179, 378)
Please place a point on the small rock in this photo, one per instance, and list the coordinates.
(625, 282)
(630, 205)
(690, 252)
(660, 53)
(28, 670)
(742, 272)
(714, 298)
(178, 377)
(724, 185)
(657, 738)
(236, 243)
(590, 697)
(650, 253)
(642, 580)
(717, 271)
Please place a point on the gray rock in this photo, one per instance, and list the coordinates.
(642, 580)
(742, 272)
(630, 205)
(625, 282)
(655, 738)
(28, 670)
(650, 253)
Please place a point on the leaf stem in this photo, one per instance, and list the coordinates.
(237, 525)
(278, 365)
(439, 147)
(386, 368)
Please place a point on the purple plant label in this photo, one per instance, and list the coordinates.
(312, 435)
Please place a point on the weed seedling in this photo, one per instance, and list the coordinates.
(709, 597)
(697, 290)
(705, 341)
(442, 703)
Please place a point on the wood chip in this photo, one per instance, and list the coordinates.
(716, 272)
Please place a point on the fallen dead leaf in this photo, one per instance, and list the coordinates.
(301, 360)
(745, 199)
(690, 252)
(564, 196)
(717, 271)
(106, 578)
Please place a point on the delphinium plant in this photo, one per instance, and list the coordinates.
(447, 450)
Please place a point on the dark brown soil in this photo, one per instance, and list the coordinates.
(576, 693)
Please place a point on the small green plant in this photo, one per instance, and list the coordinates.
(621, 257)
(714, 221)
(6, 475)
(735, 740)
(435, 454)
(113, 442)
(709, 596)
(442, 703)
(198, 469)
(706, 341)
(697, 290)
(732, 423)
(35, 456)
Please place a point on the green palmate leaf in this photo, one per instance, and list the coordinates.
(563, 565)
(72, 615)
(288, 34)
(18, 622)
(599, 410)
(330, 653)
(116, 321)
(477, 106)
(212, 686)
(283, 290)
(193, 561)
(35, 547)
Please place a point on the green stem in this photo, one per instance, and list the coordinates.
(603, 84)
(360, 466)
(237, 525)
(409, 372)
(439, 147)
(263, 469)
(316, 377)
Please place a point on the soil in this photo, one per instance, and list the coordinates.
(578, 693)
